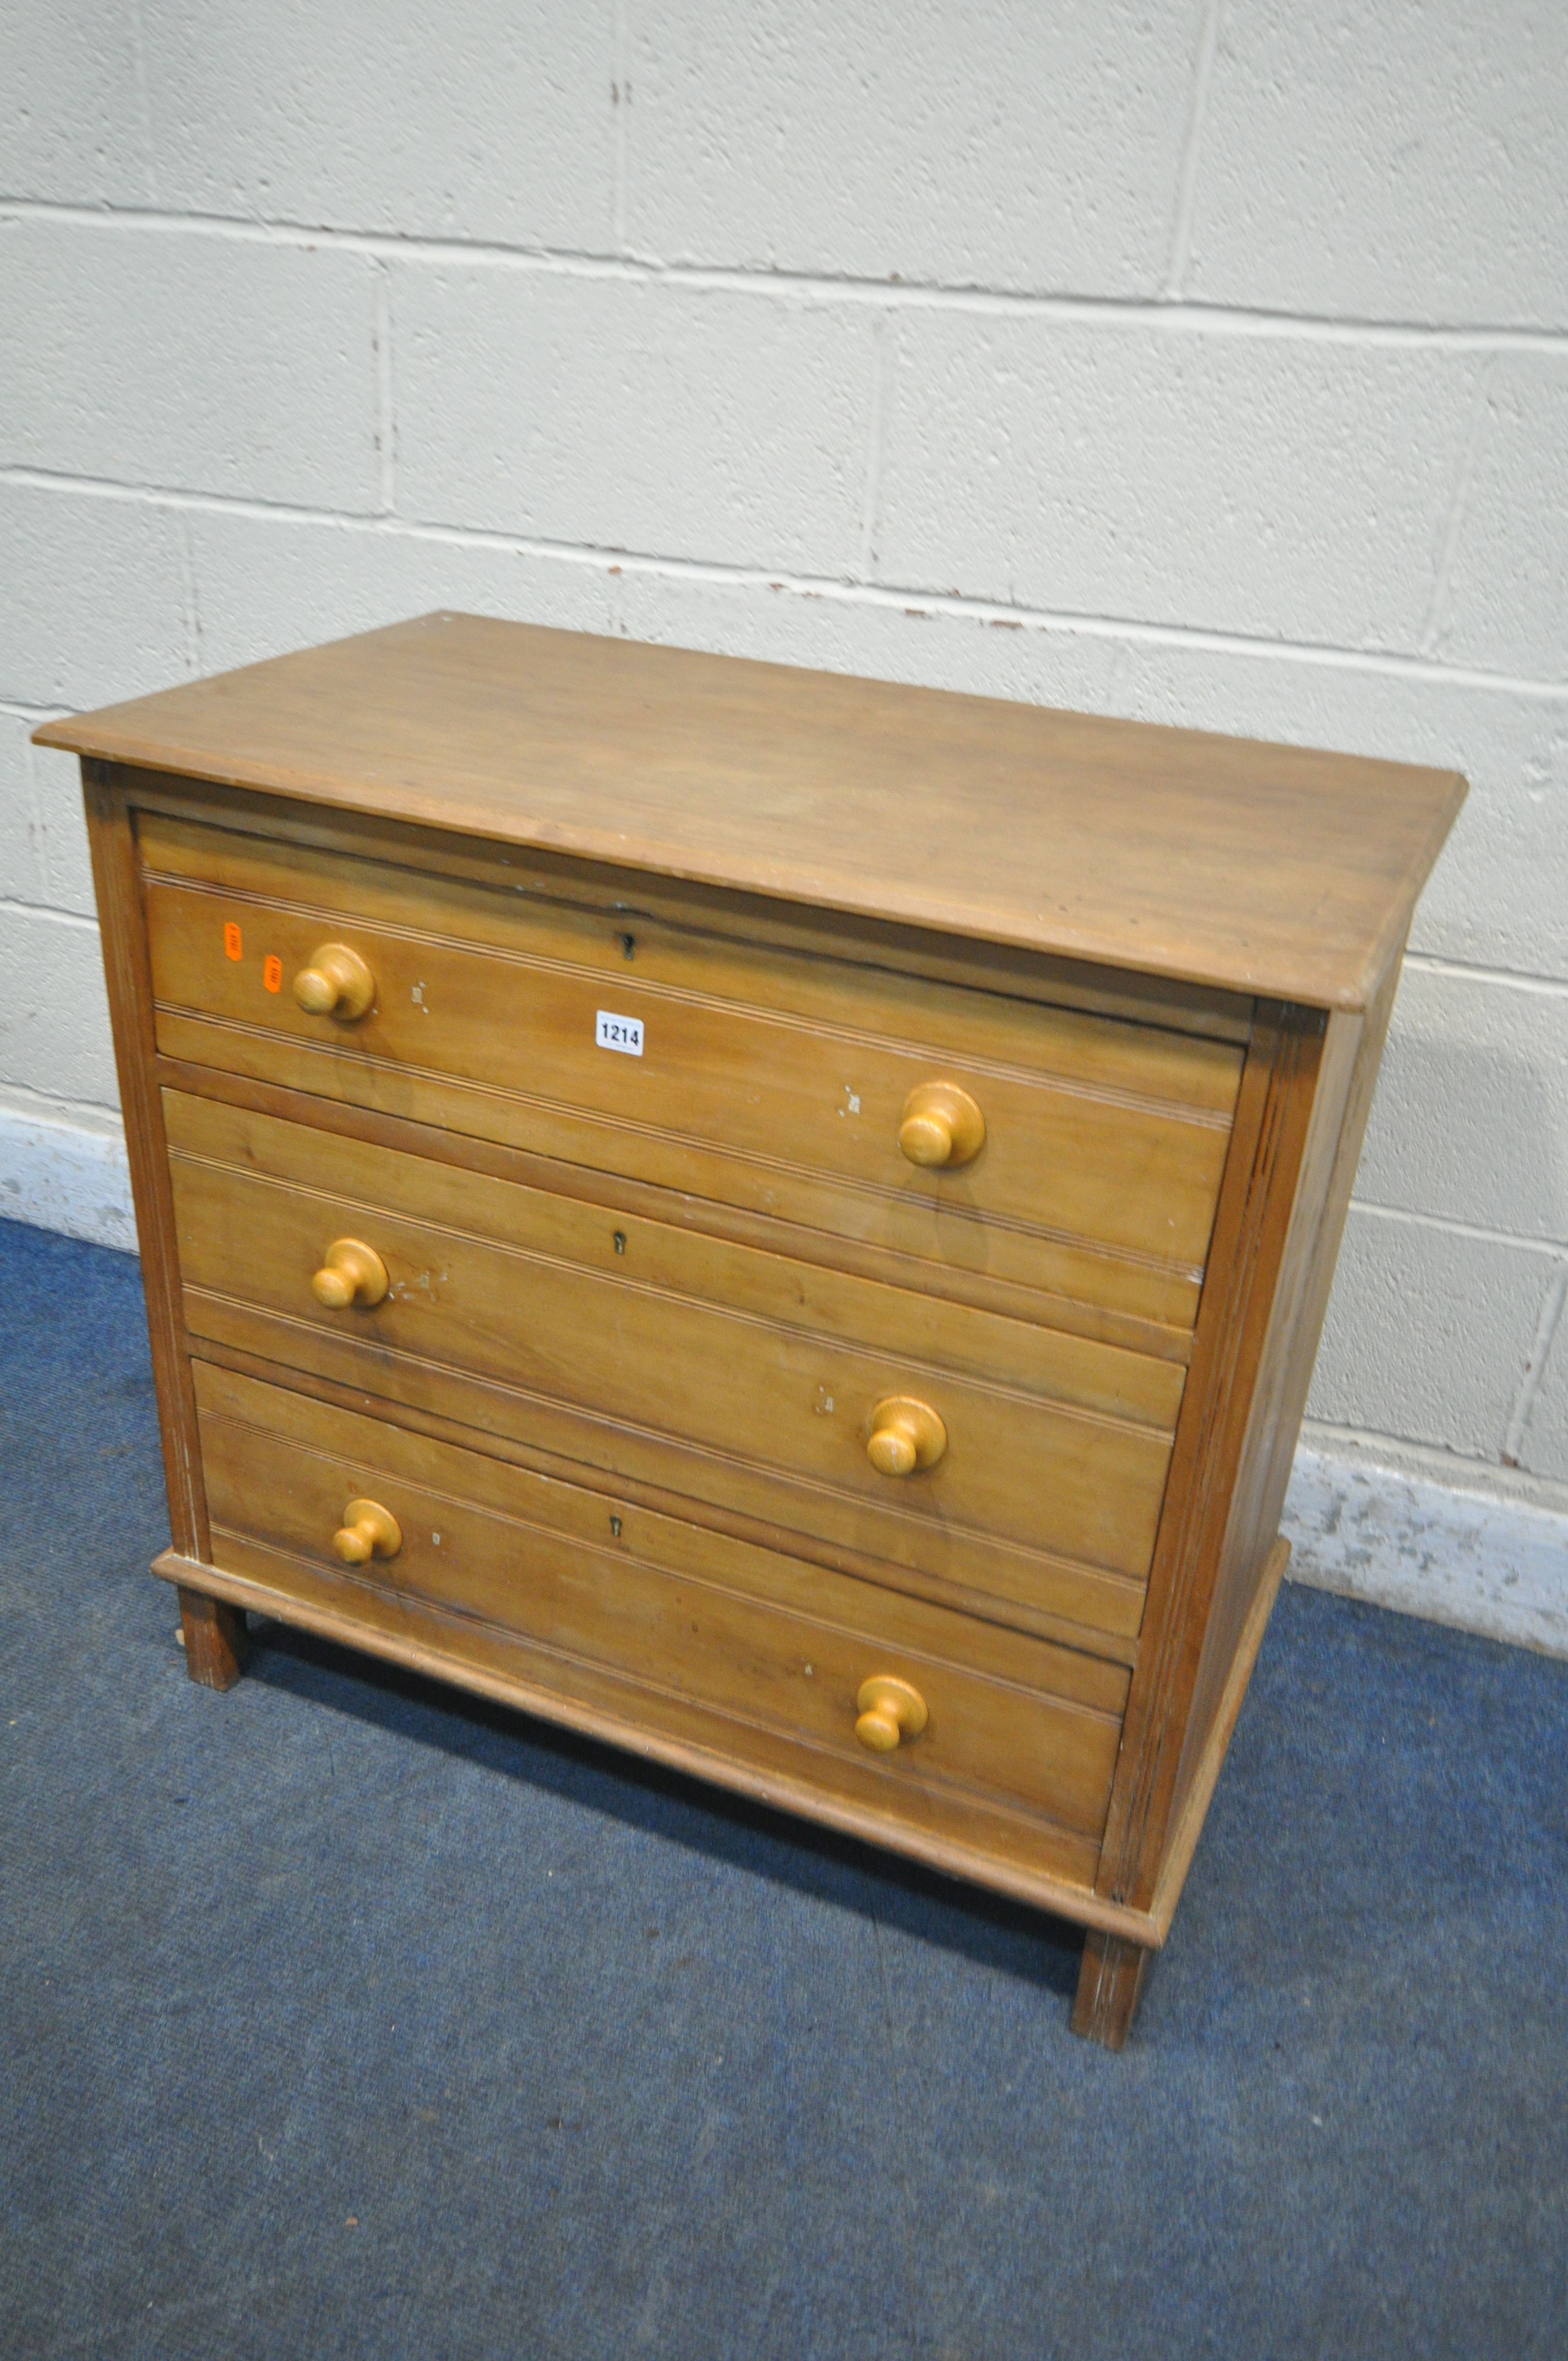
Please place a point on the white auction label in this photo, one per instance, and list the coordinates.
(622, 1033)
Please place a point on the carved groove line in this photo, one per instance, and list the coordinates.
(917, 1529)
(340, 1207)
(713, 1004)
(752, 1600)
(1286, 1064)
(123, 930)
(901, 947)
(356, 1061)
(731, 1224)
(639, 1683)
(1057, 1629)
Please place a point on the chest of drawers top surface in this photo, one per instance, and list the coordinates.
(1210, 860)
(777, 1218)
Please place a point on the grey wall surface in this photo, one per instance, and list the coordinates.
(1201, 363)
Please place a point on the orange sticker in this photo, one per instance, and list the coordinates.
(232, 943)
(272, 972)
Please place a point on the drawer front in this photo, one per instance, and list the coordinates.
(759, 1643)
(682, 1261)
(747, 1394)
(779, 1080)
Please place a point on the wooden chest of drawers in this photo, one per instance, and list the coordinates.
(780, 1220)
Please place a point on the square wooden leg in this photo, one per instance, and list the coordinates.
(1108, 1983)
(214, 1639)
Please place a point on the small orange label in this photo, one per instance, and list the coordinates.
(272, 972)
(232, 943)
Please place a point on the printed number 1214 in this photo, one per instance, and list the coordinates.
(622, 1033)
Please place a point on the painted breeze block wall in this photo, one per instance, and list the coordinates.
(1201, 363)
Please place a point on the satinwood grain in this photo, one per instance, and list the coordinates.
(1217, 1728)
(760, 1532)
(1100, 1133)
(621, 1356)
(663, 1605)
(213, 1634)
(1110, 1983)
(1067, 1314)
(1256, 868)
(1009, 1855)
(1342, 1102)
(878, 1394)
(116, 884)
(626, 1245)
(747, 918)
(1273, 1121)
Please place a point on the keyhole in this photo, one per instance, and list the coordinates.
(620, 1242)
(628, 945)
(615, 1527)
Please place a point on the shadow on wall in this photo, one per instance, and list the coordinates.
(1435, 1316)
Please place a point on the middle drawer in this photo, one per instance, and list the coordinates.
(781, 1391)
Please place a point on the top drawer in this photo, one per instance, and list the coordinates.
(765, 1076)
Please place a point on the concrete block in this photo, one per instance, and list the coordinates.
(62, 831)
(493, 120)
(1470, 1122)
(1544, 1448)
(92, 603)
(266, 583)
(1370, 162)
(1498, 897)
(73, 130)
(696, 423)
(54, 1011)
(1507, 600)
(1264, 485)
(1429, 1334)
(43, 836)
(1031, 147)
(1448, 1551)
(22, 875)
(63, 1174)
(927, 648)
(191, 360)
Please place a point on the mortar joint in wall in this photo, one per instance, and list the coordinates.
(1163, 311)
(1459, 503)
(1546, 1330)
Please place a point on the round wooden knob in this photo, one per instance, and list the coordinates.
(940, 1124)
(367, 1531)
(352, 1273)
(890, 1711)
(904, 1435)
(337, 984)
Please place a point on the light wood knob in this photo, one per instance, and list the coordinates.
(367, 1531)
(337, 984)
(352, 1273)
(940, 1124)
(890, 1711)
(904, 1435)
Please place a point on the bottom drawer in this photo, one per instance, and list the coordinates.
(668, 1635)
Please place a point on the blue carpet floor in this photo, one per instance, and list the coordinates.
(342, 2015)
